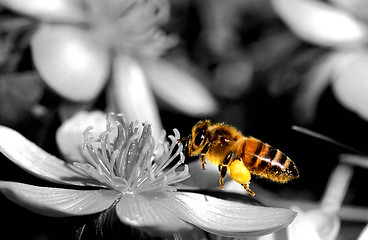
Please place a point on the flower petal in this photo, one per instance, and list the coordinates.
(70, 61)
(221, 217)
(226, 218)
(350, 82)
(35, 160)
(138, 211)
(354, 160)
(69, 136)
(364, 234)
(47, 10)
(302, 228)
(326, 223)
(320, 23)
(357, 8)
(337, 187)
(132, 93)
(58, 201)
(179, 89)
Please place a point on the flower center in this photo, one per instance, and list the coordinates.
(125, 158)
(131, 27)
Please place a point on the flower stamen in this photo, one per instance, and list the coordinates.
(124, 157)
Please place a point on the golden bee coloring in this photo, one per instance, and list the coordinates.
(241, 156)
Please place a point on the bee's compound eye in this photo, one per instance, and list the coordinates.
(199, 137)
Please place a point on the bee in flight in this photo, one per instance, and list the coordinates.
(242, 156)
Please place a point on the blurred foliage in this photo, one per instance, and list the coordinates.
(25, 89)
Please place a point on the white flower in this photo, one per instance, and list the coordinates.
(80, 44)
(342, 27)
(133, 176)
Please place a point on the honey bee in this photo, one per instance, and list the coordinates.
(242, 156)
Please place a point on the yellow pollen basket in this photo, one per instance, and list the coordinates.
(239, 172)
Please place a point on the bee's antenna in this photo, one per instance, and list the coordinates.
(325, 138)
(184, 141)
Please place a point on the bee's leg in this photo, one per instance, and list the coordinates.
(239, 173)
(184, 141)
(222, 171)
(203, 155)
(223, 168)
(246, 187)
(203, 160)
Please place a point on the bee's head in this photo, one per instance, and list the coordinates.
(194, 143)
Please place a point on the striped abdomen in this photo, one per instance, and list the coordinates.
(268, 162)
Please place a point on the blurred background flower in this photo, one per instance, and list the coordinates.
(79, 46)
(341, 26)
